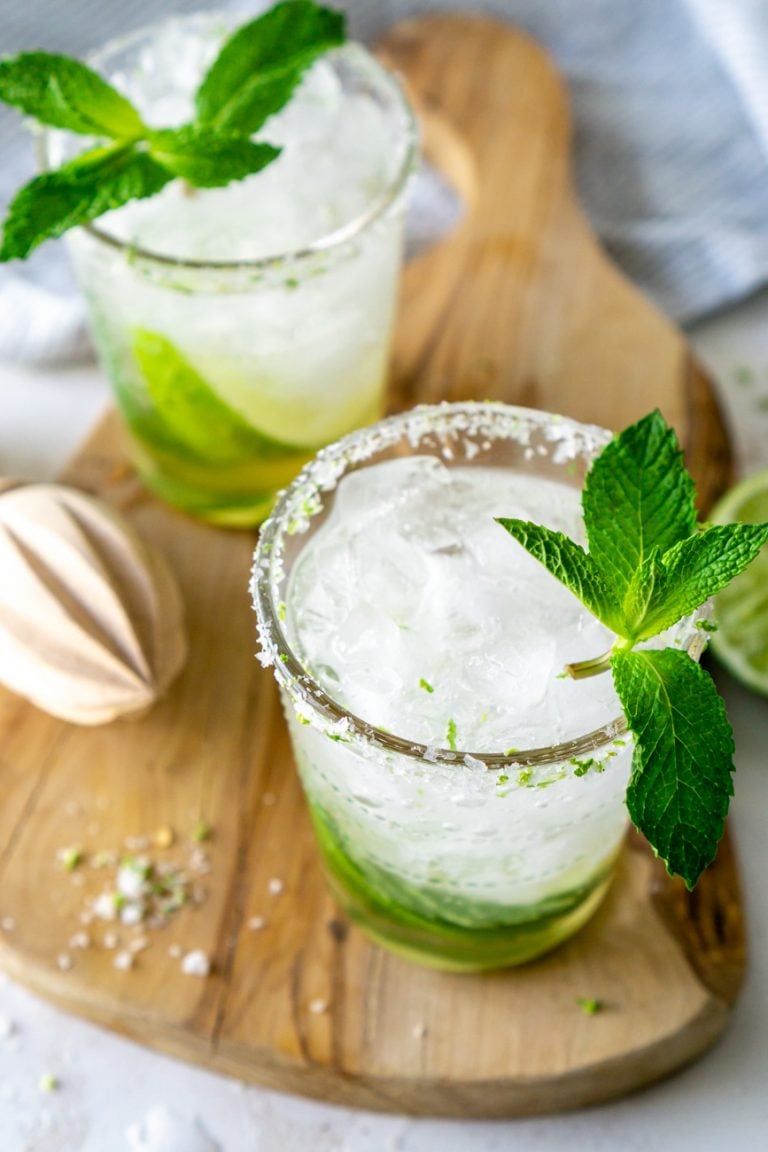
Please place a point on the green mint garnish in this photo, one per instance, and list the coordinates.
(648, 565)
(64, 93)
(258, 68)
(93, 183)
(588, 1005)
(253, 76)
(425, 684)
(681, 771)
(208, 158)
(450, 735)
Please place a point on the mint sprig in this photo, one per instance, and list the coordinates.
(260, 65)
(681, 771)
(65, 93)
(648, 565)
(91, 184)
(254, 75)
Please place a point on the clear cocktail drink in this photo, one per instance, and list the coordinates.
(245, 326)
(468, 798)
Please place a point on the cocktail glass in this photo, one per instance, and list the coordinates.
(461, 857)
(244, 327)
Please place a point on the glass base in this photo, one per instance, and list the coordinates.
(240, 510)
(519, 935)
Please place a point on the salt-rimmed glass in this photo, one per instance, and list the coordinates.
(230, 373)
(380, 803)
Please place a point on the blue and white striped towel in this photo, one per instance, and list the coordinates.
(670, 101)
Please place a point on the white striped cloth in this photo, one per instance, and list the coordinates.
(670, 101)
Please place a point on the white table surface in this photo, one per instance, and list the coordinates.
(112, 1093)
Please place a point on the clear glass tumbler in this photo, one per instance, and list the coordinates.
(455, 857)
(230, 371)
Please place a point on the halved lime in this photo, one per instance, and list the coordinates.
(741, 609)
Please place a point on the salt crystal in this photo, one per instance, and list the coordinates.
(199, 862)
(256, 923)
(196, 963)
(80, 940)
(104, 906)
(275, 886)
(174, 951)
(419, 1031)
(64, 961)
(132, 879)
(7, 924)
(318, 1007)
(132, 913)
(123, 961)
(136, 843)
(138, 944)
(110, 940)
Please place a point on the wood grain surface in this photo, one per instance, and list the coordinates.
(517, 303)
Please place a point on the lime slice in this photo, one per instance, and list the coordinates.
(186, 409)
(741, 609)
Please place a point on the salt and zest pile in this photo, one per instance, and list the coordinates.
(128, 897)
(647, 565)
(254, 75)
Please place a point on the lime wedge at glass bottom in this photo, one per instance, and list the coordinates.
(185, 408)
(741, 609)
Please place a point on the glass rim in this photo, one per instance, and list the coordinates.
(329, 243)
(302, 686)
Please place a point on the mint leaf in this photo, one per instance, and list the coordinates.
(64, 93)
(637, 496)
(569, 563)
(647, 567)
(697, 568)
(207, 158)
(254, 75)
(86, 187)
(261, 63)
(680, 785)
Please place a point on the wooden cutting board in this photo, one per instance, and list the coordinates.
(518, 303)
